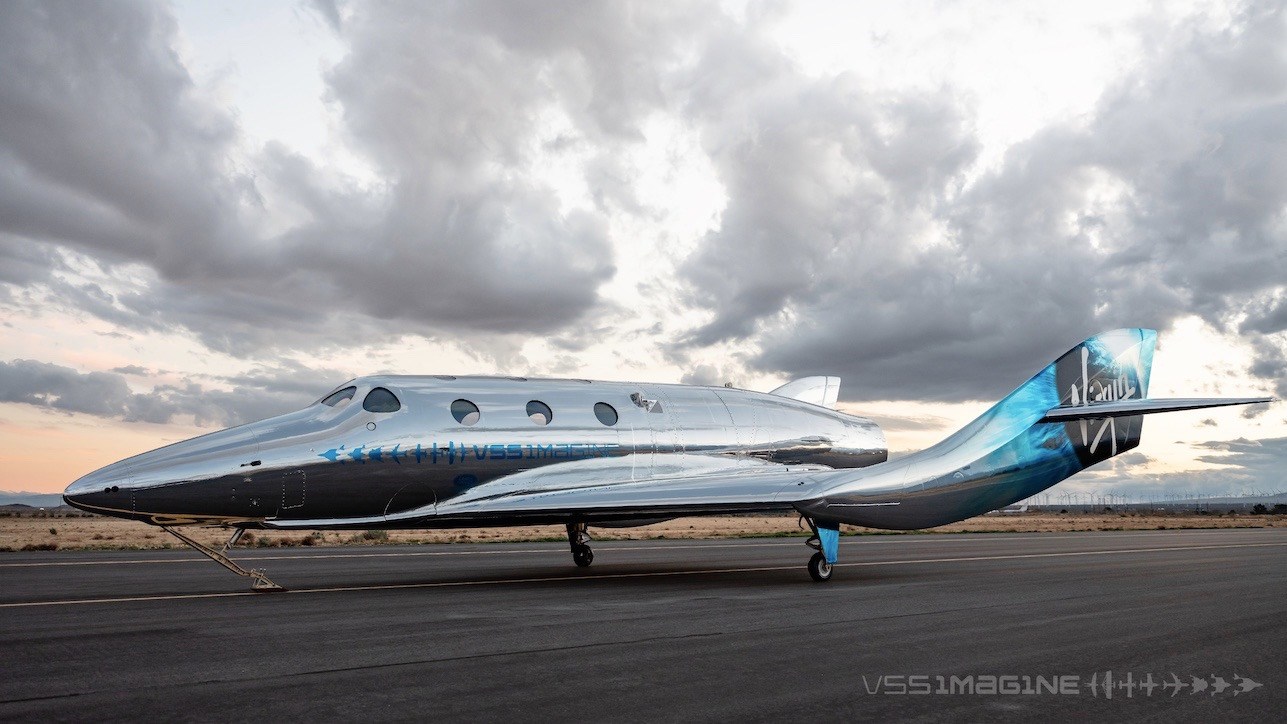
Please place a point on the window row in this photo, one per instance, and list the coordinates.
(465, 412)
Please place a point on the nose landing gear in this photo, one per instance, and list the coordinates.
(579, 540)
(259, 581)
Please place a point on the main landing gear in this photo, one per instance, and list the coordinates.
(826, 541)
(580, 542)
(259, 582)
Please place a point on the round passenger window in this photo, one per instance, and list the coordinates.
(606, 413)
(539, 412)
(465, 412)
(339, 397)
(381, 400)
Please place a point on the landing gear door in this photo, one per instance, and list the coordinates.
(294, 490)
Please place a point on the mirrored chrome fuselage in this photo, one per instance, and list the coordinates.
(331, 463)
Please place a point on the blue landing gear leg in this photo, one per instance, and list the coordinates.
(825, 540)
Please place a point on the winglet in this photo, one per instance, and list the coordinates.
(823, 391)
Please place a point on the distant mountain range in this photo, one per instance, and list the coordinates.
(35, 500)
(1271, 499)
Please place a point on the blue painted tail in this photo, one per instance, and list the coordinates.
(1010, 452)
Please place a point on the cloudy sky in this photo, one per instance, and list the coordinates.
(213, 212)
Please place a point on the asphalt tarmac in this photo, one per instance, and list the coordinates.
(1187, 625)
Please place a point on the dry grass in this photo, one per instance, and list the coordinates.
(85, 532)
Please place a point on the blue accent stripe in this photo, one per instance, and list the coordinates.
(830, 540)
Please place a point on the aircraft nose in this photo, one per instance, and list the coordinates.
(94, 486)
(148, 483)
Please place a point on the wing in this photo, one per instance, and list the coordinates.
(604, 489)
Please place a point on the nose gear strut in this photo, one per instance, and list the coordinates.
(260, 581)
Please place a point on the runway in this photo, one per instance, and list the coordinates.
(659, 630)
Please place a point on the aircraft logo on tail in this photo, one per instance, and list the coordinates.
(1104, 369)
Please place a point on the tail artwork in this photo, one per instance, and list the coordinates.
(1110, 367)
(1082, 409)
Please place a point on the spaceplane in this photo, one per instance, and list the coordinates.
(445, 451)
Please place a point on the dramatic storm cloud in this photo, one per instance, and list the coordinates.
(853, 239)
(245, 398)
(213, 215)
(110, 150)
(1169, 200)
(1241, 467)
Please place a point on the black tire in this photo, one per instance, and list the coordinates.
(582, 556)
(819, 569)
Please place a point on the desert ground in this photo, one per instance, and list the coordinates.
(72, 530)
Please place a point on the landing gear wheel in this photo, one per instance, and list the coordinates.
(579, 539)
(819, 569)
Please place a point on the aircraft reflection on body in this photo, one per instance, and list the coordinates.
(442, 452)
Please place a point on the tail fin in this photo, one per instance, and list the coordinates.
(1082, 409)
(1105, 368)
(1108, 367)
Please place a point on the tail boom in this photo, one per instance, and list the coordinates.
(1082, 409)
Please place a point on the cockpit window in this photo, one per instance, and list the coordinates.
(339, 397)
(381, 400)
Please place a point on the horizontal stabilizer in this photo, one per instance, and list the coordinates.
(823, 391)
(1123, 408)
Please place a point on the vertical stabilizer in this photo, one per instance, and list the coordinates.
(1011, 451)
(1106, 368)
